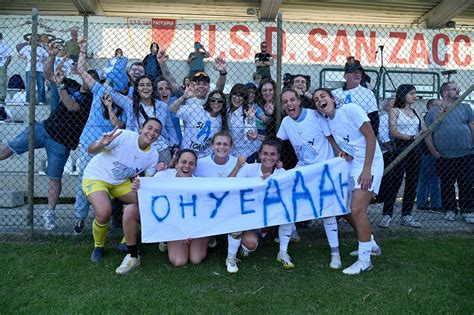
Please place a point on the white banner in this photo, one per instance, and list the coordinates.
(181, 208)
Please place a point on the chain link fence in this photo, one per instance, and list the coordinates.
(403, 78)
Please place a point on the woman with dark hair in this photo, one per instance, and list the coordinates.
(150, 63)
(116, 71)
(350, 127)
(242, 124)
(405, 125)
(266, 99)
(166, 94)
(144, 105)
(201, 122)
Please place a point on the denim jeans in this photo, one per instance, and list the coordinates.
(39, 87)
(54, 96)
(428, 183)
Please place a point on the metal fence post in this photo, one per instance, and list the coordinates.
(31, 122)
(278, 66)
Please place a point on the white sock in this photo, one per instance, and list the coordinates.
(373, 242)
(364, 251)
(233, 246)
(330, 226)
(284, 233)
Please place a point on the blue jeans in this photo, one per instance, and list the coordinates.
(54, 96)
(57, 153)
(81, 207)
(39, 86)
(428, 183)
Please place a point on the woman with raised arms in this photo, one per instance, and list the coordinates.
(351, 128)
(120, 156)
(269, 155)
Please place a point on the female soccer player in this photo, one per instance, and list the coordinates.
(269, 155)
(121, 155)
(351, 128)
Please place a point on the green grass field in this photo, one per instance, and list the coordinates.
(427, 275)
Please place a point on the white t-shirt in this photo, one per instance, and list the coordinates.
(307, 135)
(67, 65)
(41, 56)
(199, 126)
(206, 167)
(255, 170)
(345, 127)
(384, 131)
(5, 51)
(238, 130)
(359, 95)
(121, 160)
(168, 173)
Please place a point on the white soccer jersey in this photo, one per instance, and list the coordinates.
(307, 135)
(168, 173)
(359, 95)
(238, 129)
(345, 127)
(206, 167)
(255, 170)
(121, 160)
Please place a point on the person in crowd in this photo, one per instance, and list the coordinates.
(63, 62)
(365, 77)
(265, 112)
(120, 155)
(286, 80)
(451, 144)
(196, 59)
(72, 46)
(41, 55)
(354, 92)
(263, 62)
(257, 79)
(58, 134)
(5, 114)
(313, 143)
(165, 94)
(44, 41)
(428, 196)
(135, 71)
(405, 125)
(179, 252)
(269, 155)
(353, 133)
(150, 62)
(301, 84)
(241, 120)
(5, 59)
(116, 71)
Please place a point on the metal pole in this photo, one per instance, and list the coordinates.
(31, 122)
(430, 129)
(278, 67)
(85, 26)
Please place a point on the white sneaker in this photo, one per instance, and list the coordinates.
(285, 260)
(385, 222)
(374, 251)
(450, 216)
(469, 217)
(231, 263)
(49, 218)
(335, 261)
(358, 267)
(128, 264)
(409, 220)
(162, 246)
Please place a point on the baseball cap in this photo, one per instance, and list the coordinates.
(201, 76)
(351, 67)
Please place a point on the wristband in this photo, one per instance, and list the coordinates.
(223, 73)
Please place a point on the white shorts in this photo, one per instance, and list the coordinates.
(376, 181)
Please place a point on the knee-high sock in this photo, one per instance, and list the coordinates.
(372, 240)
(364, 250)
(234, 244)
(330, 226)
(99, 231)
(284, 234)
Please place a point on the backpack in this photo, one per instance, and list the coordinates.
(16, 82)
(3, 113)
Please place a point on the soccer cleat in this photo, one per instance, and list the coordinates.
(450, 216)
(408, 220)
(212, 242)
(469, 217)
(79, 227)
(97, 254)
(49, 218)
(122, 248)
(295, 237)
(358, 267)
(128, 264)
(285, 260)
(335, 261)
(385, 222)
(312, 224)
(231, 264)
(162, 246)
(374, 251)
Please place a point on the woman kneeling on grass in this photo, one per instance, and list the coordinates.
(121, 155)
(179, 252)
(269, 155)
(351, 128)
